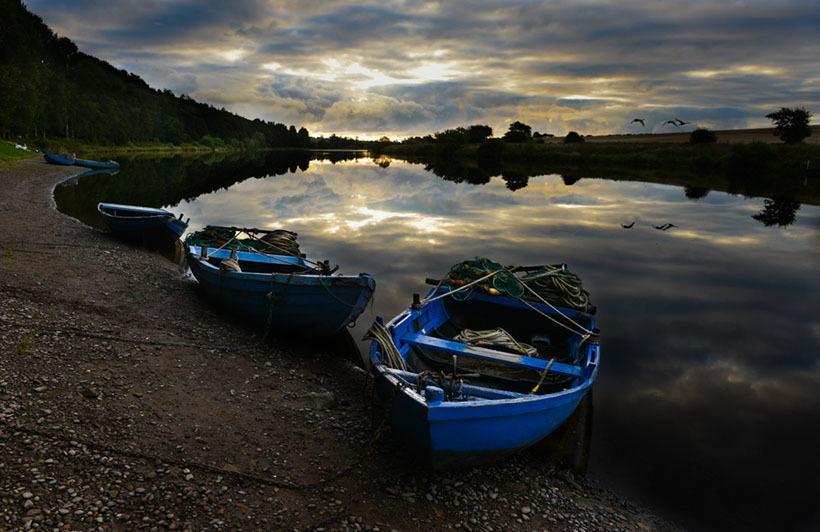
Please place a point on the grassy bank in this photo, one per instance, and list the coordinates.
(9, 153)
(82, 149)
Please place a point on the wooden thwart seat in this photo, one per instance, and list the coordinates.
(483, 353)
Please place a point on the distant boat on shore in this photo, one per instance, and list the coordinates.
(70, 160)
(62, 160)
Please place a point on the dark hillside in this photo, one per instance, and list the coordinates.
(48, 88)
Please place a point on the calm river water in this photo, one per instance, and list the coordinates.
(708, 400)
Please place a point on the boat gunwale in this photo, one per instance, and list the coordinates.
(361, 279)
(439, 410)
(148, 212)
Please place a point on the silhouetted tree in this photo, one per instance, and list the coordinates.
(304, 137)
(478, 133)
(573, 137)
(450, 140)
(518, 132)
(791, 125)
(778, 211)
(702, 136)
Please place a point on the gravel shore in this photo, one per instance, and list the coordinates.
(128, 402)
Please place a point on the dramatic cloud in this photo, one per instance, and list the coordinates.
(404, 67)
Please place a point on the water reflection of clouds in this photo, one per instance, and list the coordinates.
(711, 341)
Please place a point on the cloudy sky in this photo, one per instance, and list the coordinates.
(410, 67)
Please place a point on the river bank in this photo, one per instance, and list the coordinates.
(127, 400)
(751, 160)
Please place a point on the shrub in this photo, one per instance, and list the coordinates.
(573, 137)
(702, 136)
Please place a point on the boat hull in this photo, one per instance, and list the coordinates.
(96, 165)
(484, 423)
(141, 223)
(53, 158)
(305, 305)
(453, 435)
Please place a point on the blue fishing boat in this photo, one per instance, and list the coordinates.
(478, 371)
(265, 280)
(142, 223)
(63, 160)
(96, 165)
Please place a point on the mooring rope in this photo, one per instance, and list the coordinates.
(379, 333)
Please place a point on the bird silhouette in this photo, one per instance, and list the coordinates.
(681, 122)
(628, 226)
(639, 120)
(671, 122)
(664, 227)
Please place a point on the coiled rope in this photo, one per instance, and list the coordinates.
(495, 338)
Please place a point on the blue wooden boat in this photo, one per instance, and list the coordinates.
(63, 160)
(142, 223)
(96, 165)
(284, 293)
(459, 404)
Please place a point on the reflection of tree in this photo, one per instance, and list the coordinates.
(382, 161)
(695, 193)
(452, 170)
(778, 211)
(569, 179)
(166, 181)
(515, 180)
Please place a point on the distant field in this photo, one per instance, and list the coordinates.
(727, 136)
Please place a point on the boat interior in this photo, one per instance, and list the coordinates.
(445, 319)
(251, 262)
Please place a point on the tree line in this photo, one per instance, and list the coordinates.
(48, 89)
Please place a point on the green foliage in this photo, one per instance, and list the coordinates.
(792, 125)
(50, 89)
(702, 136)
(450, 140)
(573, 138)
(8, 151)
(518, 133)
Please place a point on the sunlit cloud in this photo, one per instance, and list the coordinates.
(414, 67)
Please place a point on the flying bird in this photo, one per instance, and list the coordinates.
(681, 122)
(671, 122)
(639, 120)
(628, 226)
(664, 227)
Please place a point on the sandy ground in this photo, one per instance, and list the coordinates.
(127, 401)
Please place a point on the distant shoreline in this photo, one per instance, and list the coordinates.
(724, 136)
